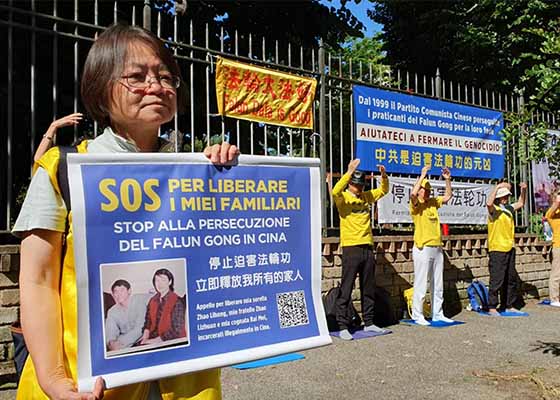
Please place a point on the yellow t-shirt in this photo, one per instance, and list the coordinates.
(427, 230)
(501, 229)
(553, 219)
(354, 211)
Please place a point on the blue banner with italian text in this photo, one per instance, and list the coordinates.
(405, 132)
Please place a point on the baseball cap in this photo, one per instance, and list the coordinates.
(426, 184)
(358, 178)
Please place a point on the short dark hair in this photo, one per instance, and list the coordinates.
(105, 62)
(120, 282)
(358, 178)
(166, 272)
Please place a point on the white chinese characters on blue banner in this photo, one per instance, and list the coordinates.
(242, 270)
(405, 132)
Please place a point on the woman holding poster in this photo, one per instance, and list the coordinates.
(427, 253)
(553, 218)
(131, 85)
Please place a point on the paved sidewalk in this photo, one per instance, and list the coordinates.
(487, 358)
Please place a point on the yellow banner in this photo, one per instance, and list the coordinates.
(259, 94)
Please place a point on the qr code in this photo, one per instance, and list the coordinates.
(292, 309)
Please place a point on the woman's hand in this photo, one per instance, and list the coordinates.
(382, 170)
(115, 345)
(153, 341)
(223, 153)
(353, 166)
(48, 137)
(145, 336)
(72, 119)
(65, 389)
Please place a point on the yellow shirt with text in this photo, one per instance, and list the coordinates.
(427, 230)
(354, 211)
(501, 229)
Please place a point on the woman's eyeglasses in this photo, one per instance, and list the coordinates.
(144, 81)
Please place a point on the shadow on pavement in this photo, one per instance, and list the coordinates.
(390, 285)
(451, 276)
(547, 347)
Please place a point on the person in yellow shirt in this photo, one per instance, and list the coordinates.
(501, 246)
(131, 85)
(553, 218)
(427, 253)
(356, 238)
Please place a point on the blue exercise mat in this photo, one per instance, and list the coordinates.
(361, 334)
(270, 361)
(433, 324)
(505, 314)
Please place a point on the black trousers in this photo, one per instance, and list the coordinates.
(356, 260)
(503, 279)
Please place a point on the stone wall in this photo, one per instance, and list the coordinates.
(465, 259)
(9, 312)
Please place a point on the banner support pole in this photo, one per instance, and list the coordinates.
(322, 136)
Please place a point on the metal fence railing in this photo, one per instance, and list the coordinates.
(48, 40)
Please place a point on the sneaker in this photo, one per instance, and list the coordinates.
(443, 318)
(421, 321)
(376, 329)
(493, 313)
(514, 311)
(555, 303)
(345, 335)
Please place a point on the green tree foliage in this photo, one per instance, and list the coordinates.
(479, 42)
(543, 77)
(418, 35)
(544, 73)
(300, 22)
(367, 58)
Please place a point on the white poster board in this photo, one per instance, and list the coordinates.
(241, 246)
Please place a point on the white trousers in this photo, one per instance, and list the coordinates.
(554, 282)
(427, 261)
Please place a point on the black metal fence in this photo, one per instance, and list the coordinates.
(47, 42)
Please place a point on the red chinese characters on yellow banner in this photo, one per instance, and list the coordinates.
(259, 94)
